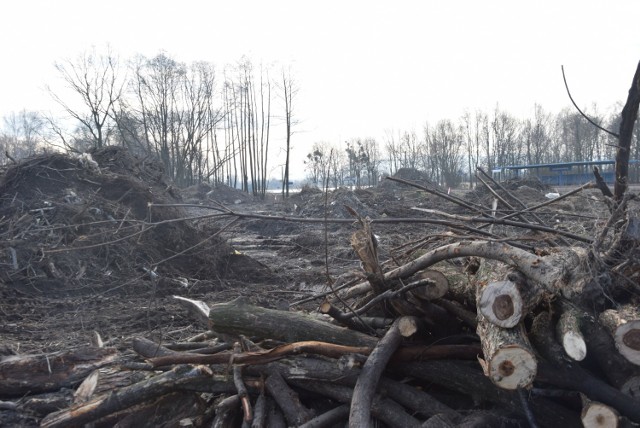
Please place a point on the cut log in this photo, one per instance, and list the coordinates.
(435, 285)
(598, 415)
(506, 303)
(569, 334)
(509, 361)
(624, 326)
(197, 308)
(238, 317)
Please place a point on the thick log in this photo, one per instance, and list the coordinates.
(238, 317)
(569, 334)
(365, 388)
(509, 361)
(624, 326)
(506, 303)
(22, 374)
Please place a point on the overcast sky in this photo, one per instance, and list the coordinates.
(363, 67)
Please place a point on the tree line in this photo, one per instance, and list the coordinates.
(450, 151)
(203, 124)
(210, 124)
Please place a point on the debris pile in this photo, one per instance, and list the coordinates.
(487, 319)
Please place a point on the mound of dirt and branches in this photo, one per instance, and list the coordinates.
(81, 240)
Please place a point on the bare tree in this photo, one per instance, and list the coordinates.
(445, 142)
(95, 79)
(506, 148)
(537, 137)
(21, 134)
(289, 91)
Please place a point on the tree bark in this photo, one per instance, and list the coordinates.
(238, 317)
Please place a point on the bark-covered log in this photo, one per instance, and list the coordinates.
(624, 326)
(22, 374)
(365, 388)
(239, 317)
(509, 360)
(288, 401)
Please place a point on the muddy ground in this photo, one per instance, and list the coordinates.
(86, 246)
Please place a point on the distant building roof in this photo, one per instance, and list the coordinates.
(562, 164)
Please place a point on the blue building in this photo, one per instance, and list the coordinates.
(561, 174)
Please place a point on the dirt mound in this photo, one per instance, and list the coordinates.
(82, 232)
(217, 192)
(409, 174)
(74, 222)
(529, 190)
(316, 205)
